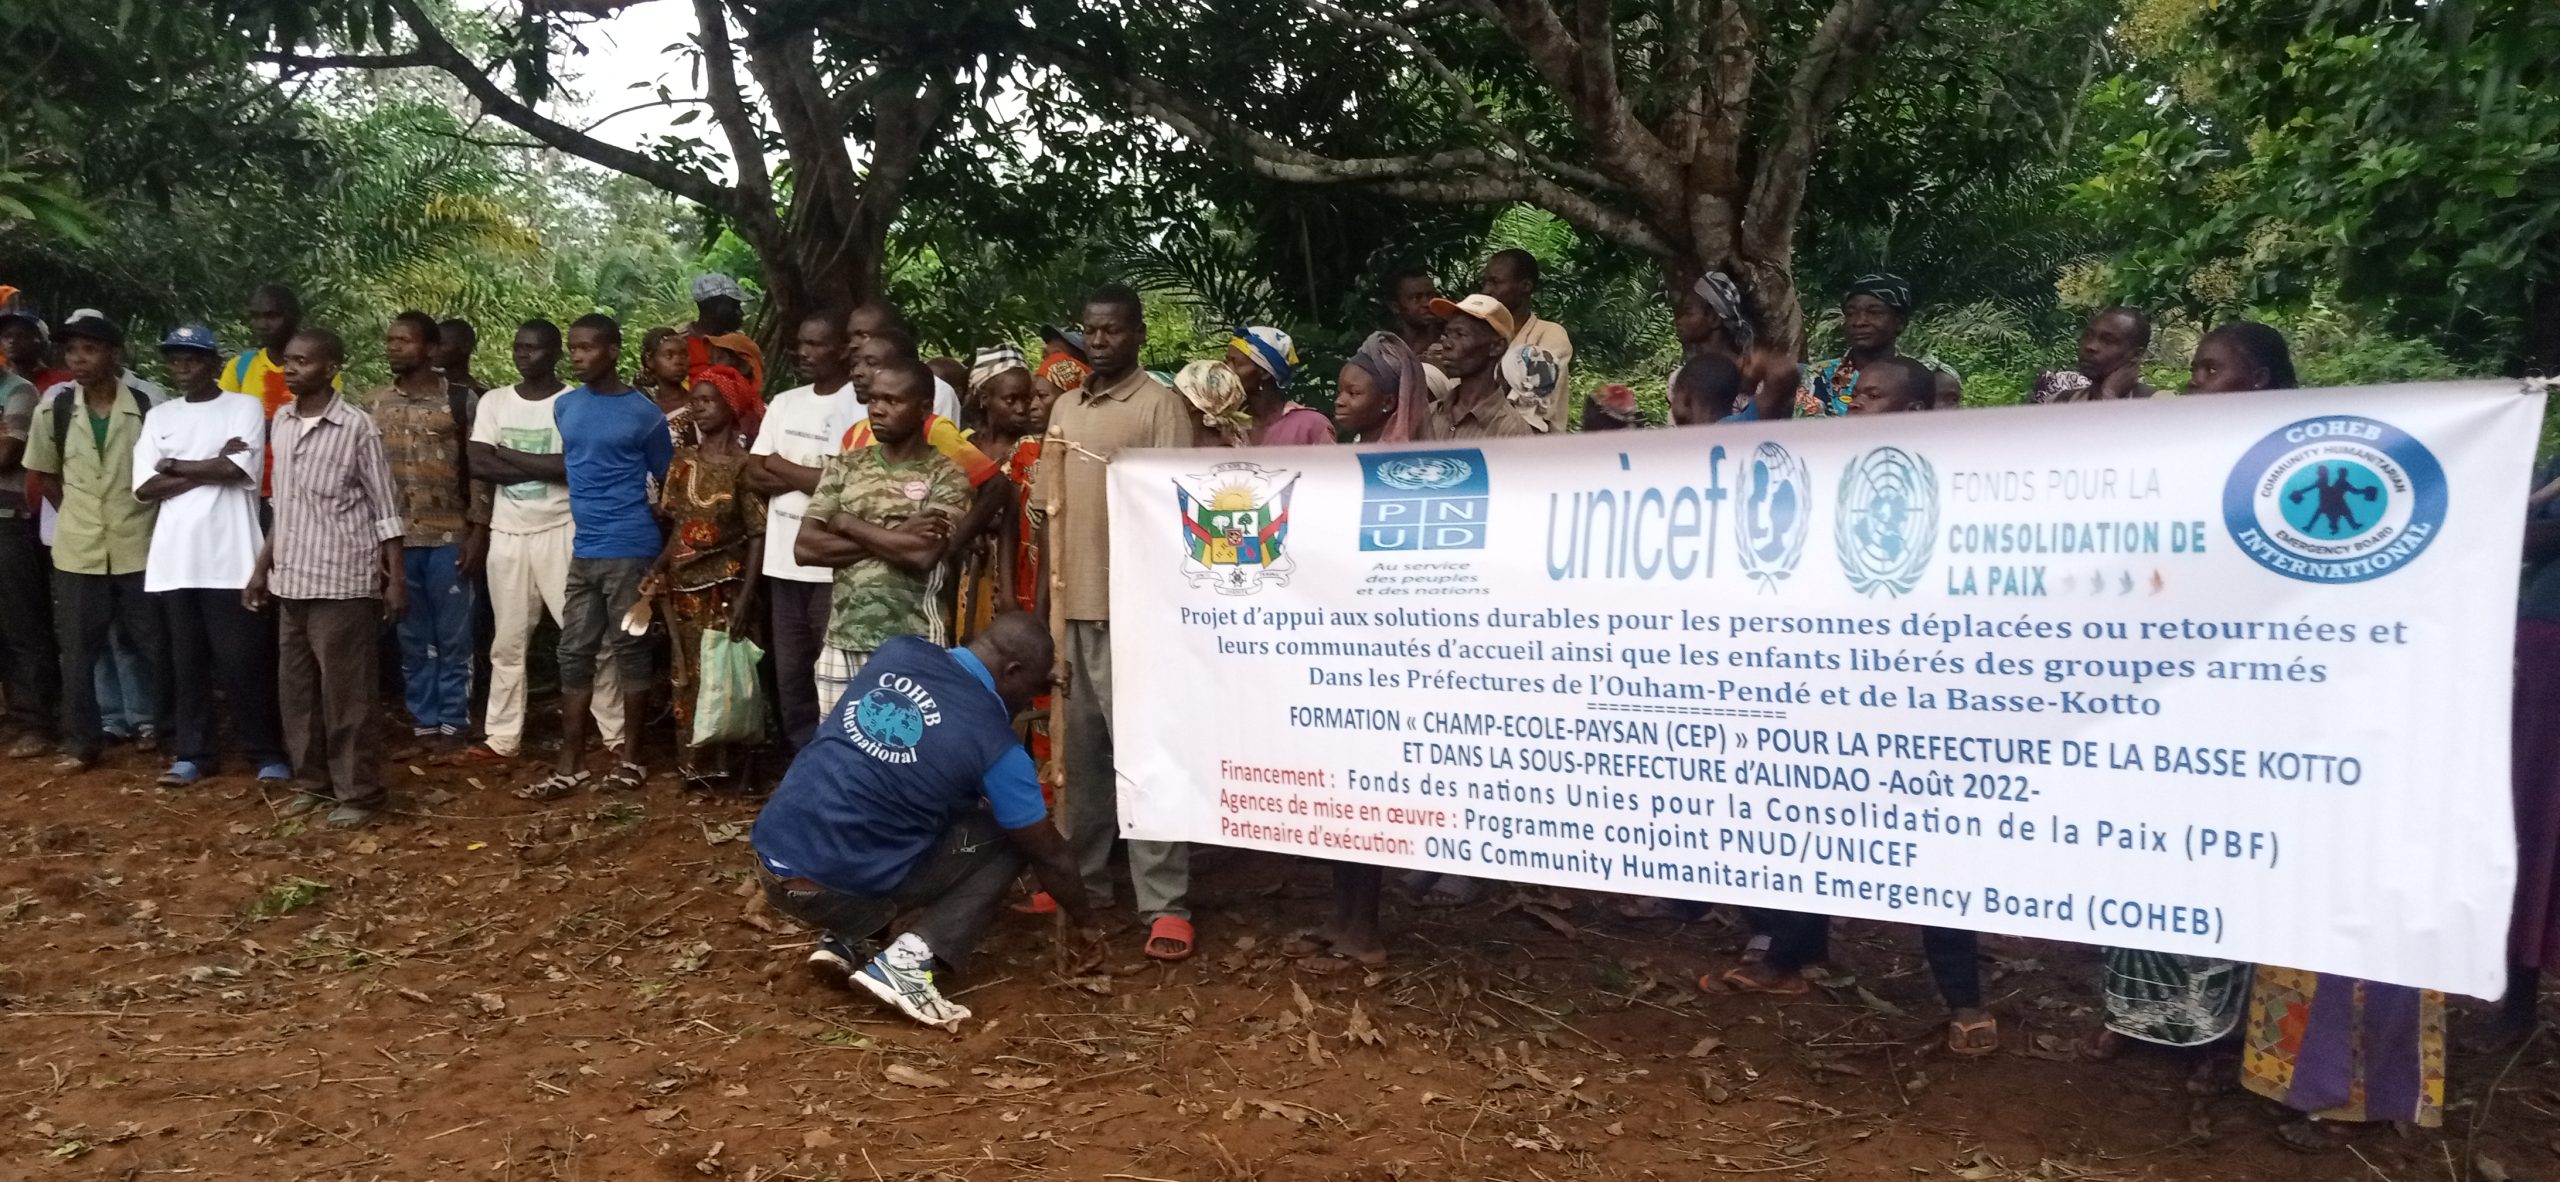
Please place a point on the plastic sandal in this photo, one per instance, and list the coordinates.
(1170, 929)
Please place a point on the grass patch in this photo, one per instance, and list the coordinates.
(287, 897)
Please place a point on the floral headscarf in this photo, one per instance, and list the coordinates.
(735, 390)
(1213, 391)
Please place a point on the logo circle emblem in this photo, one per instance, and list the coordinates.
(888, 720)
(1425, 472)
(1776, 512)
(1887, 527)
(2335, 499)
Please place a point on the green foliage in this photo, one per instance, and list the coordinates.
(2407, 155)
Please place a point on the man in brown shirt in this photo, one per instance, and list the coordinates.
(1120, 406)
(1473, 333)
(425, 421)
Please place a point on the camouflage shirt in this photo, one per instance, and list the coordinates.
(875, 600)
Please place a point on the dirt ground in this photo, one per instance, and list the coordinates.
(483, 988)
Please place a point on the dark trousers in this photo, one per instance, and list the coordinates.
(1797, 939)
(328, 671)
(218, 646)
(29, 660)
(959, 885)
(84, 607)
(799, 631)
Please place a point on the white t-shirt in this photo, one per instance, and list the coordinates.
(801, 426)
(510, 420)
(946, 402)
(207, 536)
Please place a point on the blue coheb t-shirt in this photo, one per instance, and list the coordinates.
(614, 446)
(919, 738)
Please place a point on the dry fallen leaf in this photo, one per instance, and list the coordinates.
(1361, 1029)
(900, 1073)
(1706, 1046)
(1018, 1083)
(816, 1139)
(490, 1004)
(1306, 1005)
(659, 1116)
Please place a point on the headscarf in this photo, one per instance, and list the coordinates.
(1718, 291)
(1213, 390)
(994, 362)
(735, 390)
(1391, 363)
(1064, 370)
(1889, 289)
(747, 350)
(1270, 349)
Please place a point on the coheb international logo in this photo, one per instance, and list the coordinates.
(1777, 509)
(889, 719)
(2336, 499)
(1888, 522)
(1424, 500)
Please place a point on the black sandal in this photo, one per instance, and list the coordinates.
(554, 786)
(626, 776)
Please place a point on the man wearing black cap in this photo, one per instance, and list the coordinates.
(27, 655)
(198, 460)
(81, 448)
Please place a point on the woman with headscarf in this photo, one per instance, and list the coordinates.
(1872, 317)
(1265, 363)
(1382, 395)
(1217, 398)
(714, 556)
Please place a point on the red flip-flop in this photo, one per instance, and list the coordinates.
(1171, 929)
(1038, 904)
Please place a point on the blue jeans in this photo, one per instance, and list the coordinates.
(124, 696)
(435, 639)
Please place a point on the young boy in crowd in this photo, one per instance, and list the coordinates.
(199, 460)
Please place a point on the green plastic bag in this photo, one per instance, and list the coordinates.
(728, 701)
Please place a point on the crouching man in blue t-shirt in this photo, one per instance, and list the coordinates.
(917, 794)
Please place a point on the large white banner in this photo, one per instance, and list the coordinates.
(2226, 676)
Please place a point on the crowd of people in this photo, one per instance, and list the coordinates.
(919, 552)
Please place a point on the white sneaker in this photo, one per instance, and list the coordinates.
(900, 977)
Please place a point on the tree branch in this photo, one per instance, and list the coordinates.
(296, 63)
(1827, 72)
(1625, 147)
(728, 104)
(434, 51)
(1468, 111)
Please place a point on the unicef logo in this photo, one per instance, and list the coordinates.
(2338, 499)
(1888, 523)
(1425, 472)
(1776, 512)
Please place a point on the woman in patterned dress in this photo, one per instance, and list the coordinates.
(715, 549)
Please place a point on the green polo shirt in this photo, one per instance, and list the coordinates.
(100, 528)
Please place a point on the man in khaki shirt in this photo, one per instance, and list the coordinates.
(81, 448)
(1511, 277)
(1119, 406)
(1478, 406)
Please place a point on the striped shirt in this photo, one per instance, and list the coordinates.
(334, 504)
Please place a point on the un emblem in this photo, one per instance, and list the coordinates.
(1776, 512)
(1424, 472)
(1888, 522)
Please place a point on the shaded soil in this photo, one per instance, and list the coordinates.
(484, 988)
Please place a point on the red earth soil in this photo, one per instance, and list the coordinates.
(480, 987)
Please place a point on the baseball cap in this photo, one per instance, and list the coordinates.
(16, 307)
(191, 336)
(90, 323)
(712, 284)
(1064, 338)
(1481, 306)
